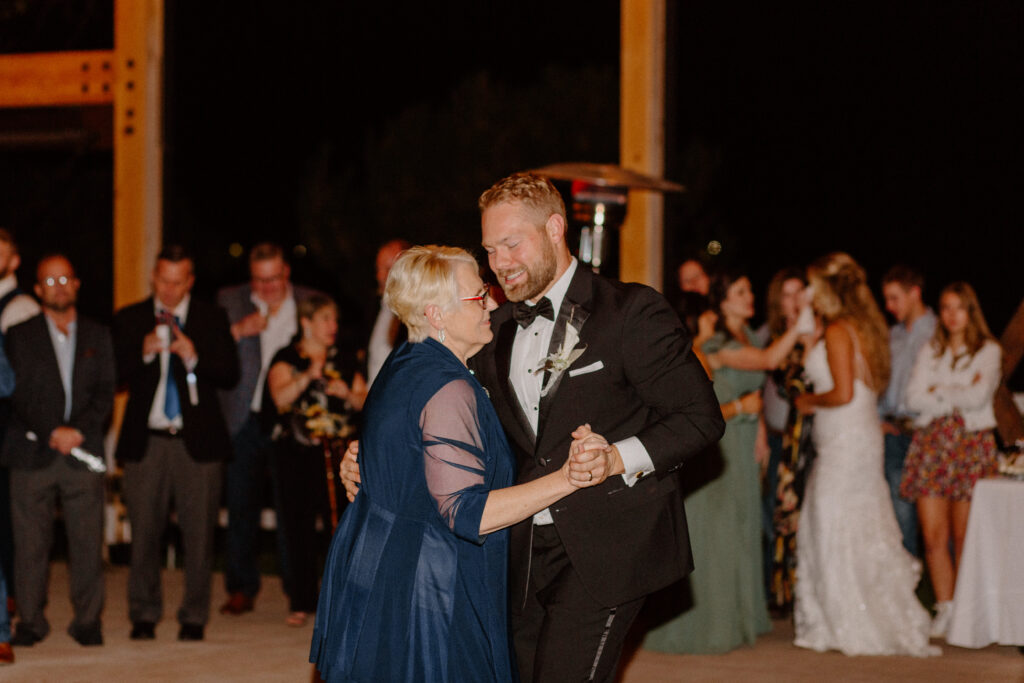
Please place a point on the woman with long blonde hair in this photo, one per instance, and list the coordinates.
(855, 581)
(951, 388)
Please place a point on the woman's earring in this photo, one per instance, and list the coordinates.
(440, 336)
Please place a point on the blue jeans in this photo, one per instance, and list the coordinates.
(246, 479)
(896, 447)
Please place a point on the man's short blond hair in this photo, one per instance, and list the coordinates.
(424, 275)
(533, 191)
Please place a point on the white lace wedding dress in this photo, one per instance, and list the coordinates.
(855, 581)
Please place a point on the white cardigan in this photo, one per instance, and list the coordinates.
(955, 388)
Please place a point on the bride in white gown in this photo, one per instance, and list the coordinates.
(855, 581)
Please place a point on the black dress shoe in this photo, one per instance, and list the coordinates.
(25, 638)
(143, 630)
(191, 632)
(87, 635)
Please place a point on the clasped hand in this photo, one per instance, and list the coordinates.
(590, 458)
(153, 344)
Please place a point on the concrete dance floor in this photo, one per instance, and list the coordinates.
(259, 647)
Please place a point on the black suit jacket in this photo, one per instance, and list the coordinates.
(204, 431)
(38, 399)
(637, 377)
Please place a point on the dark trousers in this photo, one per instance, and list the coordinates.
(302, 474)
(167, 472)
(5, 618)
(896, 447)
(34, 495)
(563, 634)
(6, 532)
(246, 478)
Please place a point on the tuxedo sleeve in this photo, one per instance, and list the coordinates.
(670, 382)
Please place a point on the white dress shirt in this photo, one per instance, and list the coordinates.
(157, 418)
(529, 350)
(281, 327)
(64, 349)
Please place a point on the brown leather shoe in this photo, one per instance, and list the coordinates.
(238, 603)
(6, 654)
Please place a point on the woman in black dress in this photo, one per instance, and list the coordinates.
(318, 392)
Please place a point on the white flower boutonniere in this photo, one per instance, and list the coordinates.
(559, 362)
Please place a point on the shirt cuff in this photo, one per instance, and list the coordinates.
(635, 460)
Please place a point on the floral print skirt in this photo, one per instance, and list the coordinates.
(945, 460)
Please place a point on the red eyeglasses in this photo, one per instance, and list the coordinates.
(482, 298)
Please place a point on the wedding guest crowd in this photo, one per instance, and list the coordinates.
(839, 432)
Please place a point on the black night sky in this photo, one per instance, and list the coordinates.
(892, 131)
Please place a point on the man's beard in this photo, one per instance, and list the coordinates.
(60, 306)
(538, 277)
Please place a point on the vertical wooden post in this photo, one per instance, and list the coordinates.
(138, 145)
(642, 136)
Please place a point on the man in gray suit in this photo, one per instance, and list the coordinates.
(263, 320)
(64, 391)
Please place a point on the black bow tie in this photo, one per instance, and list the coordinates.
(525, 314)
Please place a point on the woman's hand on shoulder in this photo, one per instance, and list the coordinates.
(349, 470)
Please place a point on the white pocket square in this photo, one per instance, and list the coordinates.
(593, 367)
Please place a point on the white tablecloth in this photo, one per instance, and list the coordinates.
(988, 604)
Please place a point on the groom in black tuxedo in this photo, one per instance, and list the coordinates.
(582, 569)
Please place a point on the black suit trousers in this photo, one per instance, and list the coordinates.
(562, 633)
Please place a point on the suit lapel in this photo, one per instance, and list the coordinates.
(503, 363)
(78, 382)
(50, 365)
(574, 311)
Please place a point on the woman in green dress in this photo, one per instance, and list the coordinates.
(723, 602)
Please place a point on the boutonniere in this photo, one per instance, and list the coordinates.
(559, 361)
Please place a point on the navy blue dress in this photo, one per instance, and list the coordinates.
(411, 591)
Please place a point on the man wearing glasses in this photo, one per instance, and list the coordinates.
(263, 321)
(64, 391)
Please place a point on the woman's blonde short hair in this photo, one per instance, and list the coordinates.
(421, 276)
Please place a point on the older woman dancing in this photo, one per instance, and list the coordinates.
(415, 583)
